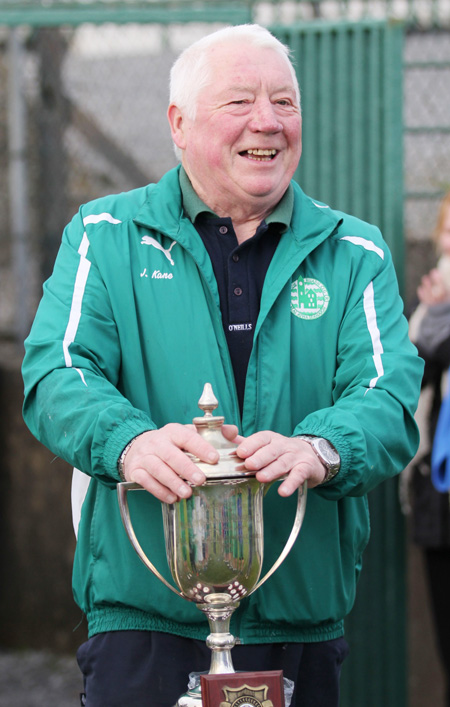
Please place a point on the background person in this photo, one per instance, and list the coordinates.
(430, 513)
(226, 272)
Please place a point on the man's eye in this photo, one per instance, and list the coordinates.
(283, 102)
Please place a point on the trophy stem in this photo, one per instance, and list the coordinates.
(219, 609)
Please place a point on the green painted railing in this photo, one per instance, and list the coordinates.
(350, 78)
(416, 13)
(351, 84)
(55, 14)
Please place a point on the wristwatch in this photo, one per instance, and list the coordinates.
(327, 454)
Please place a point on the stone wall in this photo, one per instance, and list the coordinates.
(37, 609)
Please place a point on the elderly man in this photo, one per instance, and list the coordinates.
(224, 272)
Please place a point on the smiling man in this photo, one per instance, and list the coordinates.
(242, 146)
(226, 272)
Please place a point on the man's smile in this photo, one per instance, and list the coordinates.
(259, 155)
(243, 146)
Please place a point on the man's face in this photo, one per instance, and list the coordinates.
(245, 141)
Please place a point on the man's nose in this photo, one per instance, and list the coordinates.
(264, 117)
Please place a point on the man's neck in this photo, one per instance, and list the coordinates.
(246, 216)
(247, 228)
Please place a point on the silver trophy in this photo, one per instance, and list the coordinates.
(214, 539)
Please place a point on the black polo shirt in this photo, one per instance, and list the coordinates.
(240, 270)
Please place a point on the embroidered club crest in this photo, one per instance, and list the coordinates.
(309, 298)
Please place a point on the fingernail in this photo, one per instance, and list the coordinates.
(198, 477)
(184, 491)
(213, 456)
(171, 499)
(284, 490)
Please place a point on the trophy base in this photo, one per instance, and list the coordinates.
(277, 689)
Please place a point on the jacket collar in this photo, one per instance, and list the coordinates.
(162, 210)
(194, 206)
(311, 222)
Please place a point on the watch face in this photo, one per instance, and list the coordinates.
(328, 451)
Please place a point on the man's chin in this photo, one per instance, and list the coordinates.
(271, 190)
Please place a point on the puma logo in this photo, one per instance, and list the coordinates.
(148, 240)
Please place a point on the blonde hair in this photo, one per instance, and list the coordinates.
(443, 210)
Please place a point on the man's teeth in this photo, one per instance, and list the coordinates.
(262, 153)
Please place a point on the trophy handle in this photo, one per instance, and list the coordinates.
(298, 520)
(122, 491)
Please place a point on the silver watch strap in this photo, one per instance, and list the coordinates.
(121, 461)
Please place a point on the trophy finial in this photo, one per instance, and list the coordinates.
(210, 426)
(208, 401)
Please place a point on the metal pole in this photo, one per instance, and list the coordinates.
(18, 185)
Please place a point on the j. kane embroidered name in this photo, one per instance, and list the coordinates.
(158, 275)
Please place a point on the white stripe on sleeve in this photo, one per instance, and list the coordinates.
(371, 319)
(368, 245)
(97, 218)
(84, 267)
(77, 299)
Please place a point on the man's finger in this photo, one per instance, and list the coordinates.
(252, 444)
(150, 484)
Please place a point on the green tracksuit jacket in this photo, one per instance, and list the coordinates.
(128, 331)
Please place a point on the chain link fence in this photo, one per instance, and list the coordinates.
(426, 144)
(93, 122)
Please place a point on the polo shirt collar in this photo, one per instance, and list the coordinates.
(194, 206)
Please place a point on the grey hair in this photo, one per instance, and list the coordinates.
(191, 73)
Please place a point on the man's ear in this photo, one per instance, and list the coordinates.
(177, 126)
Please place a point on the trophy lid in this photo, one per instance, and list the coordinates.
(209, 426)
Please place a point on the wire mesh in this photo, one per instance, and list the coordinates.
(96, 98)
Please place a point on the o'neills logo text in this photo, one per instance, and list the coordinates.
(158, 275)
(240, 327)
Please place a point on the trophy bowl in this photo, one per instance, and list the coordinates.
(214, 540)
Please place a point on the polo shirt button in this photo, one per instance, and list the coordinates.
(235, 258)
(223, 230)
(237, 291)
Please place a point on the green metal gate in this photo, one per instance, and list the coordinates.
(351, 83)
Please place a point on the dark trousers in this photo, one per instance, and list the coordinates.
(150, 669)
(438, 569)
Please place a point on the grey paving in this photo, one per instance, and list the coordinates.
(38, 679)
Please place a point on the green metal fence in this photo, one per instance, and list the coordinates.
(351, 81)
(417, 13)
(57, 14)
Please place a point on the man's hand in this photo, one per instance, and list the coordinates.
(157, 461)
(272, 455)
